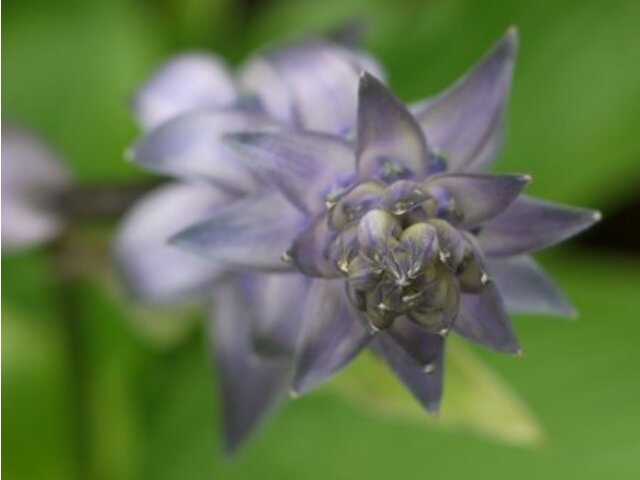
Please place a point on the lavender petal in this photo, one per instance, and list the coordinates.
(482, 319)
(188, 83)
(425, 386)
(530, 224)
(332, 335)
(310, 84)
(306, 167)
(250, 386)
(465, 122)
(153, 270)
(251, 233)
(478, 197)
(32, 178)
(526, 288)
(276, 328)
(390, 143)
(191, 147)
(310, 249)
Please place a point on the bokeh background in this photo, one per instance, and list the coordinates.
(96, 388)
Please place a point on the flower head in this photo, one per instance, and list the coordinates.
(403, 237)
(185, 109)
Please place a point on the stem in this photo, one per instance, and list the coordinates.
(72, 321)
(101, 202)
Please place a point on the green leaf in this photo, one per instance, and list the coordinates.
(475, 398)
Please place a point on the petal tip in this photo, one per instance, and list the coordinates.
(596, 216)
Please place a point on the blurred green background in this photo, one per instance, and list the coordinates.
(93, 388)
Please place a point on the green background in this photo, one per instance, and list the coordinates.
(136, 385)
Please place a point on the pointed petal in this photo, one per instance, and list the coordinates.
(390, 143)
(310, 84)
(483, 319)
(425, 387)
(530, 224)
(526, 288)
(153, 270)
(276, 329)
(423, 346)
(32, 178)
(250, 387)
(188, 83)
(465, 122)
(306, 167)
(310, 250)
(476, 197)
(251, 233)
(191, 147)
(332, 335)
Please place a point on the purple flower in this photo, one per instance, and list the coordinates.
(32, 180)
(399, 234)
(186, 108)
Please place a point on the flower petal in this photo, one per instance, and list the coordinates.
(530, 224)
(306, 167)
(477, 197)
(251, 233)
(276, 328)
(332, 335)
(310, 249)
(483, 319)
(250, 386)
(32, 177)
(311, 84)
(425, 387)
(390, 143)
(191, 147)
(425, 347)
(465, 122)
(188, 83)
(526, 288)
(153, 270)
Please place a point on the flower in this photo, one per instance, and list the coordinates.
(33, 178)
(401, 236)
(185, 109)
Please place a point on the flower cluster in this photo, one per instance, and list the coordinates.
(322, 217)
(33, 179)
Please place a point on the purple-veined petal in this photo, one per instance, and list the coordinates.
(526, 288)
(310, 250)
(250, 386)
(153, 270)
(530, 224)
(188, 83)
(477, 197)
(307, 167)
(483, 319)
(425, 386)
(332, 335)
(390, 143)
(465, 122)
(375, 232)
(251, 233)
(32, 178)
(191, 147)
(311, 84)
(276, 328)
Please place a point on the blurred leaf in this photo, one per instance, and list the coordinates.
(68, 74)
(475, 397)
